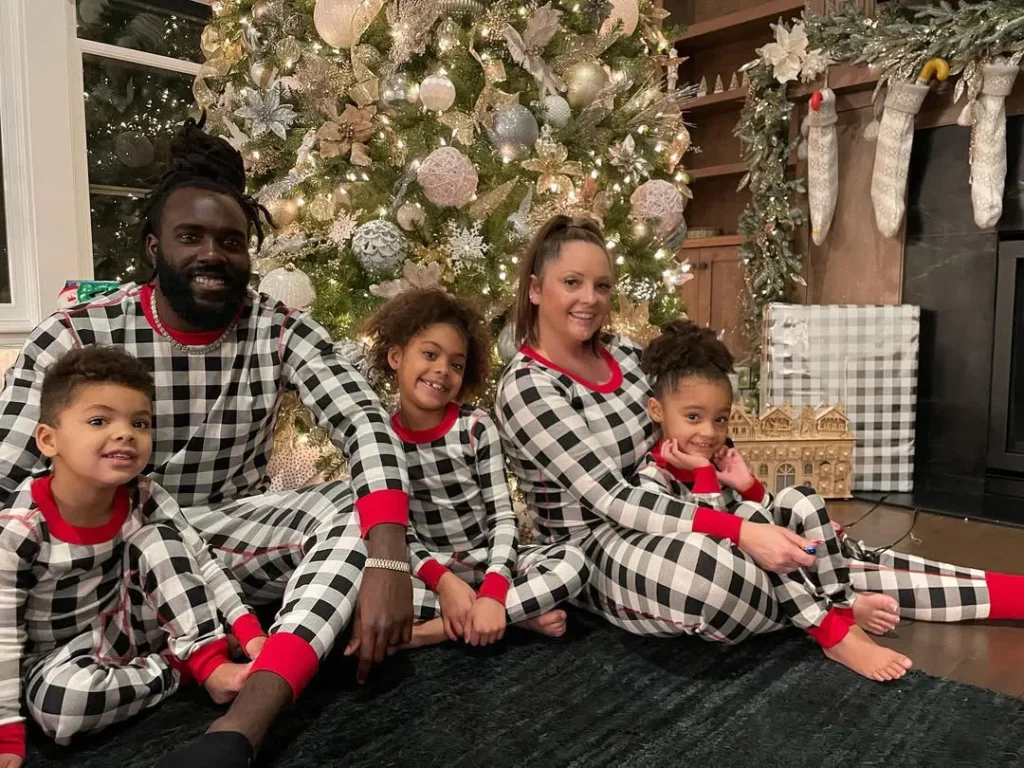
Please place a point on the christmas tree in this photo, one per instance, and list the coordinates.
(420, 142)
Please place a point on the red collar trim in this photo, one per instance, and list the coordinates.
(611, 385)
(199, 339)
(78, 534)
(682, 475)
(451, 414)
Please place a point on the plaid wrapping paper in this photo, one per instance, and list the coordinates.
(865, 356)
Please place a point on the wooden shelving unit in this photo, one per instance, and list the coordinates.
(712, 242)
(733, 27)
(842, 78)
(710, 172)
(716, 102)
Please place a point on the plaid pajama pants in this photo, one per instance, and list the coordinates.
(545, 576)
(120, 667)
(697, 584)
(302, 547)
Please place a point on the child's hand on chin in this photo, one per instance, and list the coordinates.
(671, 452)
(732, 470)
(10, 761)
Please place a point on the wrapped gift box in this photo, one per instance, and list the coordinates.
(865, 357)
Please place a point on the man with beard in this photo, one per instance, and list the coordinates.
(221, 356)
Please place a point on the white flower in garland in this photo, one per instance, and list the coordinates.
(266, 114)
(466, 246)
(815, 64)
(786, 55)
(627, 159)
(342, 229)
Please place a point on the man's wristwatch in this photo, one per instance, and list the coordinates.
(387, 565)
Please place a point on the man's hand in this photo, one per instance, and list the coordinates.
(671, 452)
(457, 600)
(486, 622)
(384, 608)
(775, 548)
(11, 761)
(732, 470)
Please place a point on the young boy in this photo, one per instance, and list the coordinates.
(108, 599)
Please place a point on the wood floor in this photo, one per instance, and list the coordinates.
(986, 654)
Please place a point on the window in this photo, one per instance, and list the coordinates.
(762, 471)
(138, 61)
(808, 470)
(785, 476)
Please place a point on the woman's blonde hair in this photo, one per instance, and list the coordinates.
(544, 248)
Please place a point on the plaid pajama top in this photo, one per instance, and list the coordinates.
(56, 579)
(459, 498)
(700, 486)
(214, 414)
(573, 444)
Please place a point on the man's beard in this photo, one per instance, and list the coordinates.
(176, 287)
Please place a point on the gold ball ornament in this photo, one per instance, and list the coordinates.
(262, 74)
(585, 80)
(626, 11)
(448, 178)
(339, 22)
(288, 51)
(283, 211)
(437, 92)
(639, 230)
(410, 215)
(321, 209)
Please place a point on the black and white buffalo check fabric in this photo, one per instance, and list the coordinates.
(864, 356)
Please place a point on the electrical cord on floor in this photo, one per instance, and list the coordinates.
(874, 552)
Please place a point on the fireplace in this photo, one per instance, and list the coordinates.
(969, 283)
(1004, 473)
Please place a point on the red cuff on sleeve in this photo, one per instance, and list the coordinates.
(754, 493)
(430, 573)
(290, 657)
(831, 630)
(205, 660)
(246, 628)
(715, 523)
(495, 586)
(387, 506)
(705, 480)
(12, 739)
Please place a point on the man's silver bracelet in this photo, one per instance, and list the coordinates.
(387, 565)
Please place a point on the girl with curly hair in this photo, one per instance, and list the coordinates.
(471, 578)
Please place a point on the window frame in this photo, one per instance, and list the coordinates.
(45, 166)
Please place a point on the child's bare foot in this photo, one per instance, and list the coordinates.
(551, 624)
(876, 613)
(226, 681)
(428, 633)
(865, 657)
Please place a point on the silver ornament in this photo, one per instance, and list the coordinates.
(399, 92)
(585, 80)
(410, 215)
(556, 111)
(291, 286)
(379, 246)
(514, 132)
(507, 346)
(437, 92)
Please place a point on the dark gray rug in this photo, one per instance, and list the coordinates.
(600, 698)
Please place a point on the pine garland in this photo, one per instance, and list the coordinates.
(897, 43)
